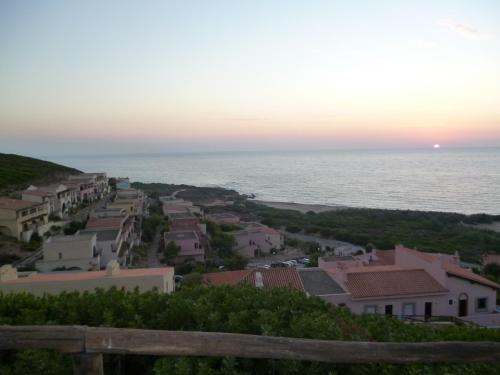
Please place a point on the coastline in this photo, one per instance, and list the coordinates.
(301, 207)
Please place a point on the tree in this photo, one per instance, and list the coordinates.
(235, 262)
(171, 250)
(492, 269)
(223, 243)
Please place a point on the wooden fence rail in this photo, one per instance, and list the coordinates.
(87, 344)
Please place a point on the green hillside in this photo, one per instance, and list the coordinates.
(17, 172)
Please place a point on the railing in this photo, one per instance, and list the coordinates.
(87, 344)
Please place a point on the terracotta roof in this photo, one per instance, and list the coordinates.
(373, 283)
(272, 278)
(37, 193)
(454, 270)
(226, 278)
(385, 257)
(278, 278)
(105, 222)
(75, 276)
(15, 204)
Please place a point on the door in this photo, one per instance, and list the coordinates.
(428, 310)
(388, 310)
(462, 307)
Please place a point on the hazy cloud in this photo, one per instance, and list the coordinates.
(243, 119)
(461, 29)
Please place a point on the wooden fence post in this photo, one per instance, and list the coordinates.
(87, 364)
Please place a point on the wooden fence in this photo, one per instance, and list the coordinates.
(87, 344)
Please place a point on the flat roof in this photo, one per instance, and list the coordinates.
(318, 283)
(182, 215)
(71, 238)
(103, 235)
(174, 236)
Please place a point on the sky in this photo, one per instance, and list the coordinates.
(84, 77)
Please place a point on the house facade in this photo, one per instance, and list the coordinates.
(20, 218)
(257, 239)
(61, 198)
(191, 248)
(406, 282)
(75, 252)
(144, 279)
(108, 243)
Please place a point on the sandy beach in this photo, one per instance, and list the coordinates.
(302, 207)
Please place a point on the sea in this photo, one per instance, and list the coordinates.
(450, 180)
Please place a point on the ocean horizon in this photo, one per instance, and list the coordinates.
(464, 180)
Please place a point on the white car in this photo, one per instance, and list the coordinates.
(266, 266)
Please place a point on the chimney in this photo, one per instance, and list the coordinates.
(113, 268)
(7, 273)
(259, 281)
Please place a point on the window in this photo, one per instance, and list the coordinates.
(60, 255)
(409, 309)
(370, 309)
(450, 302)
(481, 304)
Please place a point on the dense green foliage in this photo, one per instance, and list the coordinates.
(74, 226)
(427, 231)
(170, 251)
(242, 309)
(17, 172)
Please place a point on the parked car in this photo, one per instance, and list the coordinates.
(178, 279)
(266, 266)
(293, 261)
(278, 265)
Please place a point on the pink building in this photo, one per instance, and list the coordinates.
(407, 282)
(257, 239)
(85, 189)
(191, 247)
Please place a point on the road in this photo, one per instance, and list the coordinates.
(341, 247)
(153, 250)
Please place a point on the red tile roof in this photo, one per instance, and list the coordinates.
(90, 275)
(454, 270)
(15, 204)
(385, 257)
(278, 278)
(272, 278)
(391, 282)
(105, 222)
(226, 278)
(37, 193)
